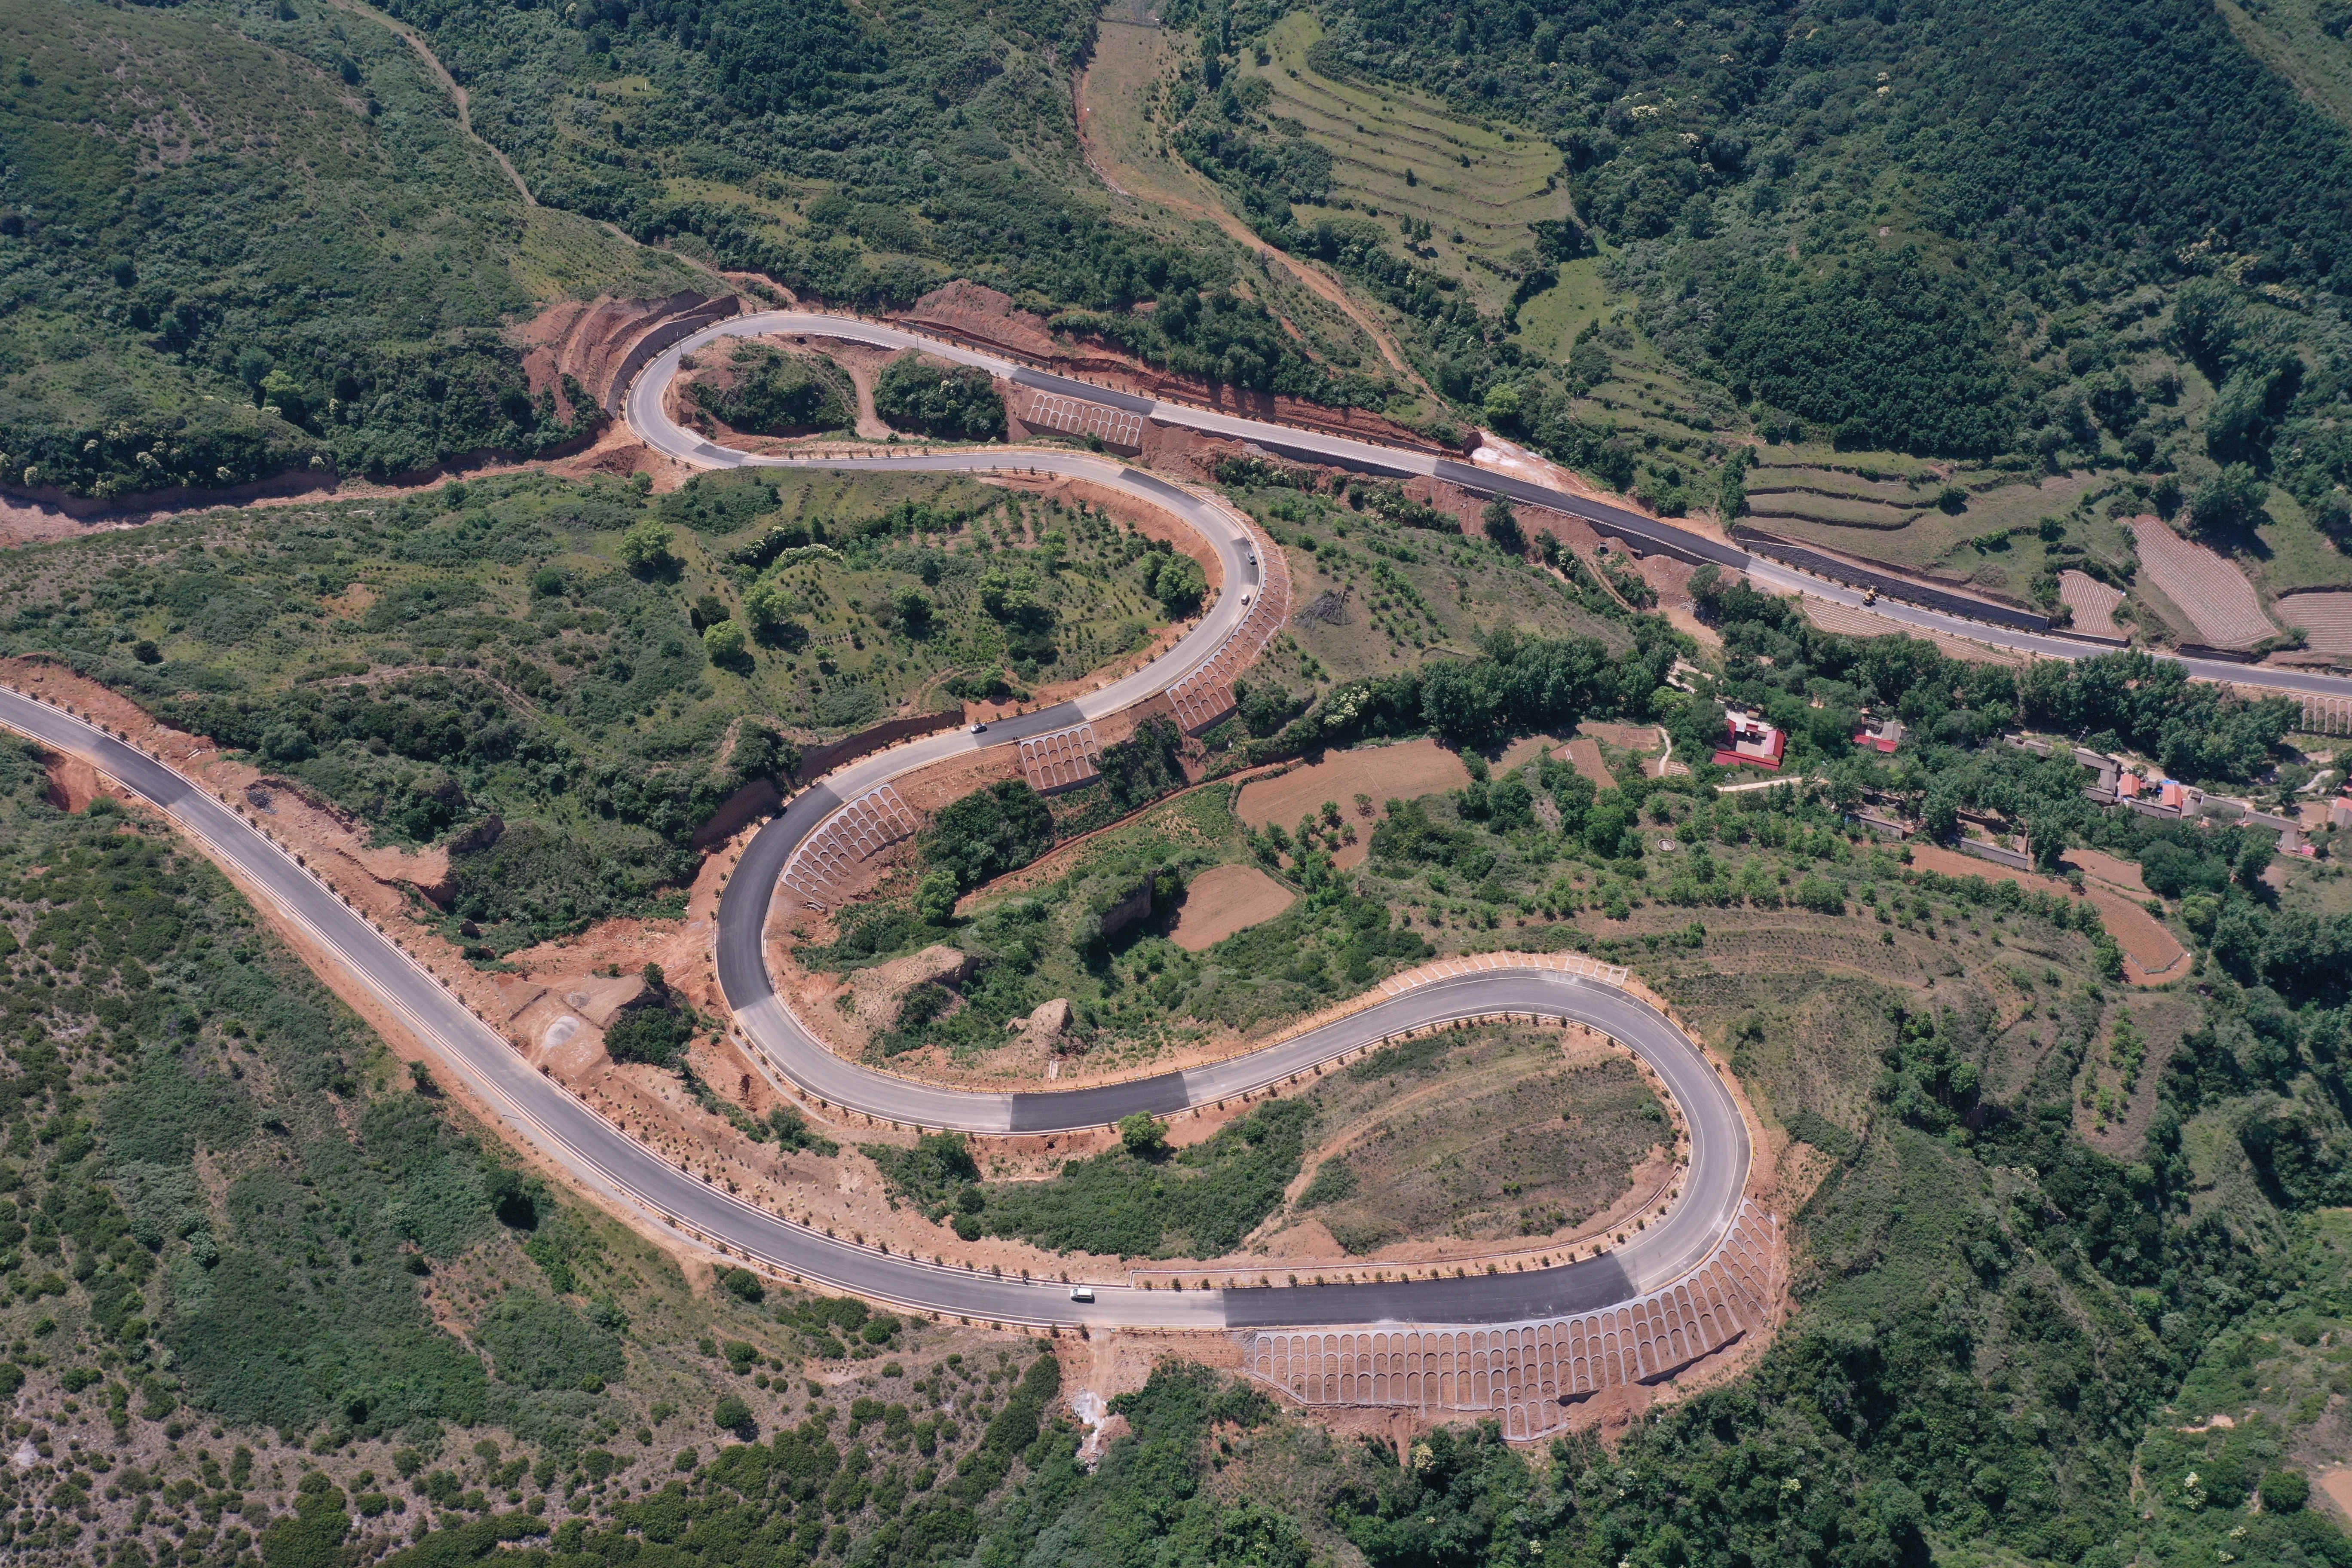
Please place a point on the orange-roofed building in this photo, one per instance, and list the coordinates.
(1752, 742)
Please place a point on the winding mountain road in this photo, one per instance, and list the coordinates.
(1649, 1267)
(647, 416)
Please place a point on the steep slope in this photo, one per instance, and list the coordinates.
(864, 156)
(231, 244)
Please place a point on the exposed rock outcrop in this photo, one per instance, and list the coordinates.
(878, 991)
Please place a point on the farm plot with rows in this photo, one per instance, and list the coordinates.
(2211, 591)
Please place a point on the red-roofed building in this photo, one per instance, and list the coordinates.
(1881, 735)
(1753, 743)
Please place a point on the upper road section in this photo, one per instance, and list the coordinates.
(647, 416)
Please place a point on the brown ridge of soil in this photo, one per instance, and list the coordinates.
(1405, 771)
(590, 339)
(1670, 580)
(74, 783)
(325, 835)
(1224, 899)
(974, 310)
(2099, 866)
(2152, 955)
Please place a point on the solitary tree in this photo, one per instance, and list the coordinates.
(935, 899)
(2048, 842)
(724, 643)
(644, 548)
(2230, 499)
(1143, 1135)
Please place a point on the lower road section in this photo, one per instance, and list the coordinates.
(605, 1161)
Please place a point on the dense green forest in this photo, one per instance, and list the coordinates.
(237, 240)
(1757, 177)
(1967, 228)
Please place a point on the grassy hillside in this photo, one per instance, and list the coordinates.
(235, 241)
(259, 1293)
(597, 669)
(865, 157)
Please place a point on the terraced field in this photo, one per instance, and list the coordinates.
(2211, 591)
(1478, 186)
(2326, 619)
(1904, 490)
(1836, 499)
(2093, 602)
(1889, 512)
(1837, 512)
(1491, 1134)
